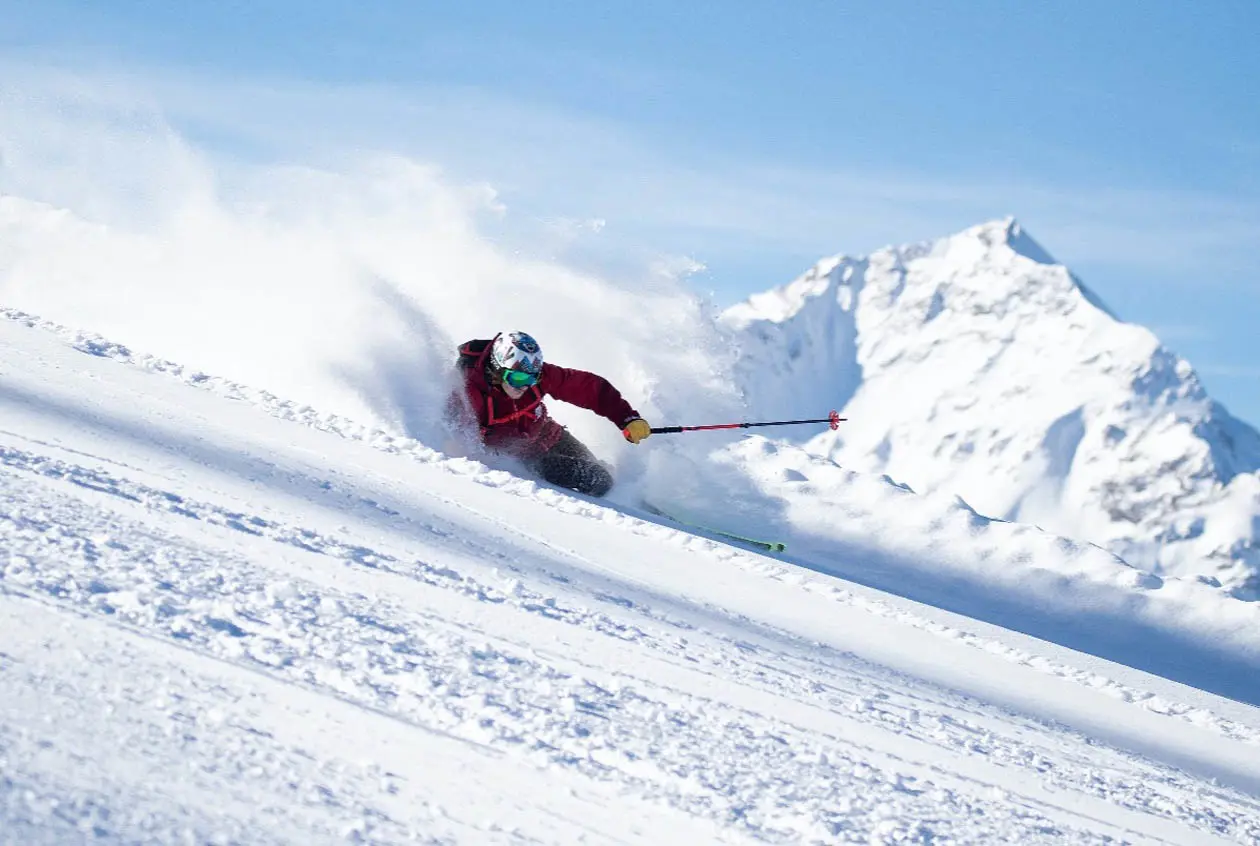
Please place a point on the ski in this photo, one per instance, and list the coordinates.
(769, 546)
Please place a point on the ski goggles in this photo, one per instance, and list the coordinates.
(518, 378)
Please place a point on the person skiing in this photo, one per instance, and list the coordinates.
(505, 380)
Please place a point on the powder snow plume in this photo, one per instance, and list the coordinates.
(344, 283)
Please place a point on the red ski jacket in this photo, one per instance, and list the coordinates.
(522, 426)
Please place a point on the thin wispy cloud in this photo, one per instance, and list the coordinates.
(658, 193)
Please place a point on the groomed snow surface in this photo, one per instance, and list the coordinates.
(230, 619)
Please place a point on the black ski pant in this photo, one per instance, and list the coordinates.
(570, 464)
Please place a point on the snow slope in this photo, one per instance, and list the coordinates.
(231, 618)
(976, 365)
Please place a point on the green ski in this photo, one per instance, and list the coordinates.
(769, 546)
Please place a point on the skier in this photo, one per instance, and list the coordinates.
(505, 381)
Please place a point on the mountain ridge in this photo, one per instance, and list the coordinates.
(976, 364)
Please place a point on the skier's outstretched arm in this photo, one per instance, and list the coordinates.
(596, 393)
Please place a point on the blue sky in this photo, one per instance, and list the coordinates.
(759, 137)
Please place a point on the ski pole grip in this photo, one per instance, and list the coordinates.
(666, 430)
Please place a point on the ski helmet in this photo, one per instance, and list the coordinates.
(516, 351)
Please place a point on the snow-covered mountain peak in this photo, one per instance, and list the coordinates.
(828, 284)
(1000, 245)
(977, 364)
(1007, 233)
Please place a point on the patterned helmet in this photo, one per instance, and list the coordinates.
(516, 351)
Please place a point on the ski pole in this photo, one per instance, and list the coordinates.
(834, 419)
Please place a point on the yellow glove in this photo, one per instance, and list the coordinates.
(636, 430)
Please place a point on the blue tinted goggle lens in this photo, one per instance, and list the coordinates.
(519, 378)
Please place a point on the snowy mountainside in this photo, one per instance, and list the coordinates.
(238, 619)
(976, 365)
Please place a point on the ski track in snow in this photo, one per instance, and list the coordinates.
(301, 674)
(454, 679)
(387, 443)
(341, 427)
